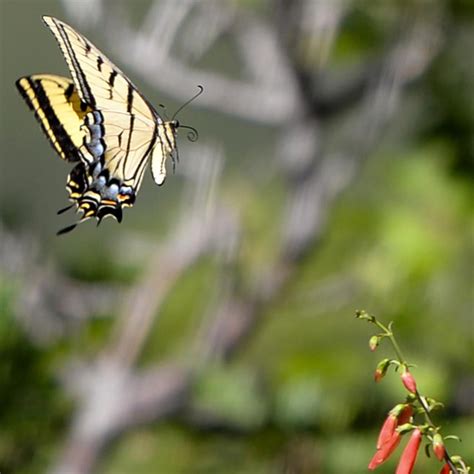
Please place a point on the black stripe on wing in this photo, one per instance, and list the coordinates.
(50, 123)
(83, 84)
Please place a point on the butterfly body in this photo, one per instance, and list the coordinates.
(100, 121)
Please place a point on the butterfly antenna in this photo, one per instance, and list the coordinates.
(192, 135)
(195, 96)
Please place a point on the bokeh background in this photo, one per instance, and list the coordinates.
(213, 330)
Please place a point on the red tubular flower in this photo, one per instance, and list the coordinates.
(398, 415)
(405, 415)
(408, 381)
(385, 451)
(438, 447)
(446, 469)
(408, 458)
(388, 437)
(387, 430)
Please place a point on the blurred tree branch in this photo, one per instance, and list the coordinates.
(50, 304)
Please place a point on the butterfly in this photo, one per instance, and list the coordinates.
(99, 120)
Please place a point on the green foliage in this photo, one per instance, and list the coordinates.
(229, 396)
(451, 98)
(180, 313)
(175, 449)
(33, 410)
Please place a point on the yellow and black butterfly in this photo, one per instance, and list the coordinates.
(100, 121)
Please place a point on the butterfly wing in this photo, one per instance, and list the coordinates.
(167, 149)
(100, 83)
(59, 110)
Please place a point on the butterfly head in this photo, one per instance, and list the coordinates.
(175, 124)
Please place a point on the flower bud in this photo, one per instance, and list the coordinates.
(405, 414)
(361, 314)
(408, 381)
(381, 369)
(438, 447)
(387, 430)
(385, 451)
(374, 342)
(378, 375)
(408, 457)
(398, 415)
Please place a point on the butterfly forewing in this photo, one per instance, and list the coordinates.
(100, 83)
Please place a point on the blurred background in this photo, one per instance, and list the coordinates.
(213, 330)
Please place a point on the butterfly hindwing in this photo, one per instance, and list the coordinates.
(58, 109)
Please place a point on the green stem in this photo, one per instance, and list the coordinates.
(398, 351)
(388, 333)
(426, 409)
